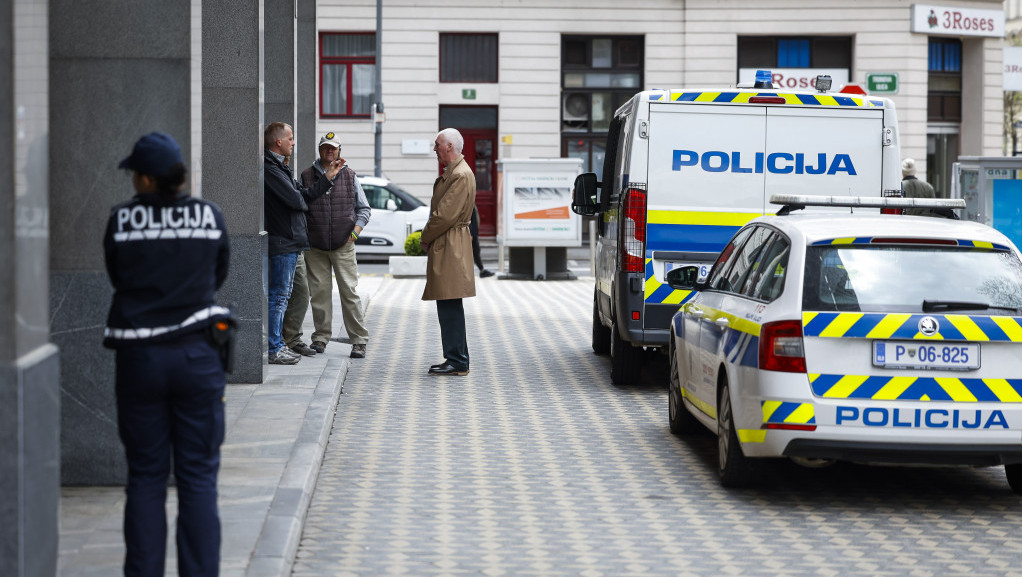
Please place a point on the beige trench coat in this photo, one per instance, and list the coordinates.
(450, 271)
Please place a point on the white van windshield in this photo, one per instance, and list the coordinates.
(903, 278)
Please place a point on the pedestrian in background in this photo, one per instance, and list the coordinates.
(166, 255)
(335, 221)
(477, 253)
(284, 206)
(448, 244)
(912, 187)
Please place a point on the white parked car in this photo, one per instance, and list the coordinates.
(856, 337)
(393, 209)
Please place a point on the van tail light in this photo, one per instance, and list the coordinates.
(767, 100)
(781, 348)
(892, 194)
(633, 239)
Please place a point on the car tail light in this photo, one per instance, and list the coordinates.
(895, 240)
(633, 239)
(781, 348)
(892, 211)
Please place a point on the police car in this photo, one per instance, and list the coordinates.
(859, 337)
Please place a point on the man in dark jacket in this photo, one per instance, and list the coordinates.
(285, 203)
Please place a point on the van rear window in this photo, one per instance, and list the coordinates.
(898, 279)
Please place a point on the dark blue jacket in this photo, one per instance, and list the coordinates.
(166, 260)
(284, 205)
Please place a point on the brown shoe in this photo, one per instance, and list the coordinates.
(358, 351)
(318, 346)
(302, 349)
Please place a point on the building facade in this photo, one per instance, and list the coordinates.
(529, 78)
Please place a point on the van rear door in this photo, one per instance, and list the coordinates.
(830, 151)
(700, 190)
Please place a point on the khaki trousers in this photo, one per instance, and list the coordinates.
(318, 266)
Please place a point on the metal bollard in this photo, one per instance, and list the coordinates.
(408, 229)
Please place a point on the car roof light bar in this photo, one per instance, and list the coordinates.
(866, 201)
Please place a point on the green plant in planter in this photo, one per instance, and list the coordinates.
(413, 246)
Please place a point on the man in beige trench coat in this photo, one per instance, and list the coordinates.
(450, 275)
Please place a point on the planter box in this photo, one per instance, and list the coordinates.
(407, 266)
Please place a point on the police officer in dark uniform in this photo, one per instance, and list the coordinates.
(167, 253)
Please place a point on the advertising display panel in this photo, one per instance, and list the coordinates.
(534, 201)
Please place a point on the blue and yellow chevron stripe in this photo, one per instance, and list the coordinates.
(684, 230)
(789, 98)
(916, 388)
(906, 326)
(790, 413)
(868, 240)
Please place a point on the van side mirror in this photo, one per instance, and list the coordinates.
(583, 197)
(685, 278)
(391, 204)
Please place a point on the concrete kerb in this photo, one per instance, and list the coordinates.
(277, 545)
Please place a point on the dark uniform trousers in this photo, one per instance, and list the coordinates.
(170, 399)
(451, 313)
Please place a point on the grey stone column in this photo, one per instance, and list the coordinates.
(280, 67)
(29, 364)
(232, 176)
(118, 70)
(307, 71)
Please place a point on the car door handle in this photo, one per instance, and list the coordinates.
(722, 322)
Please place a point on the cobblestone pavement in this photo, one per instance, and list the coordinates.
(535, 464)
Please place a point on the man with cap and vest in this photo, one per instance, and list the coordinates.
(284, 205)
(167, 253)
(335, 220)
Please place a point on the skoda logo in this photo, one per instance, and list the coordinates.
(928, 326)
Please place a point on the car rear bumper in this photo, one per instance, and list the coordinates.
(901, 453)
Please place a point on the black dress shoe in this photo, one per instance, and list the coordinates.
(437, 366)
(448, 369)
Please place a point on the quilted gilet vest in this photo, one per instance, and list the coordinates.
(331, 217)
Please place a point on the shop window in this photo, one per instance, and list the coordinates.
(944, 91)
(347, 74)
(599, 74)
(795, 52)
(468, 58)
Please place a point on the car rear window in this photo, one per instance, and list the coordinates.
(899, 278)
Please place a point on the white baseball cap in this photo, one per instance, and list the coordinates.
(331, 139)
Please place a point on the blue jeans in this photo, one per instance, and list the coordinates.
(281, 277)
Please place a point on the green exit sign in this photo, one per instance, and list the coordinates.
(882, 83)
(468, 94)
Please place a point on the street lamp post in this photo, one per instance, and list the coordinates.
(378, 105)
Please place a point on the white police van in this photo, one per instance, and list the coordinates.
(685, 169)
(853, 337)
